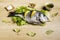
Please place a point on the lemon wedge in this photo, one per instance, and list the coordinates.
(33, 13)
(26, 13)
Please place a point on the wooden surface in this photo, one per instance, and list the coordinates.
(6, 32)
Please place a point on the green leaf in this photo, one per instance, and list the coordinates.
(19, 21)
(21, 9)
(44, 12)
(14, 19)
(31, 8)
(48, 32)
(32, 34)
(23, 22)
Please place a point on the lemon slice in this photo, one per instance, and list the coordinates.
(33, 13)
(26, 13)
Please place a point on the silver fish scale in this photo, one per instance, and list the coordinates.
(36, 19)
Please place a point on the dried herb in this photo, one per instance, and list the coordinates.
(48, 32)
(32, 34)
(55, 14)
(31, 5)
(17, 30)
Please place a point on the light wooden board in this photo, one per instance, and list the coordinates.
(6, 32)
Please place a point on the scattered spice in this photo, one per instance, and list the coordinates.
(32, 5)
(9, 7)
(32, 34)
(6, 21)
(50, 5)
(17, 30)
(48, 32)
(55, 14)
